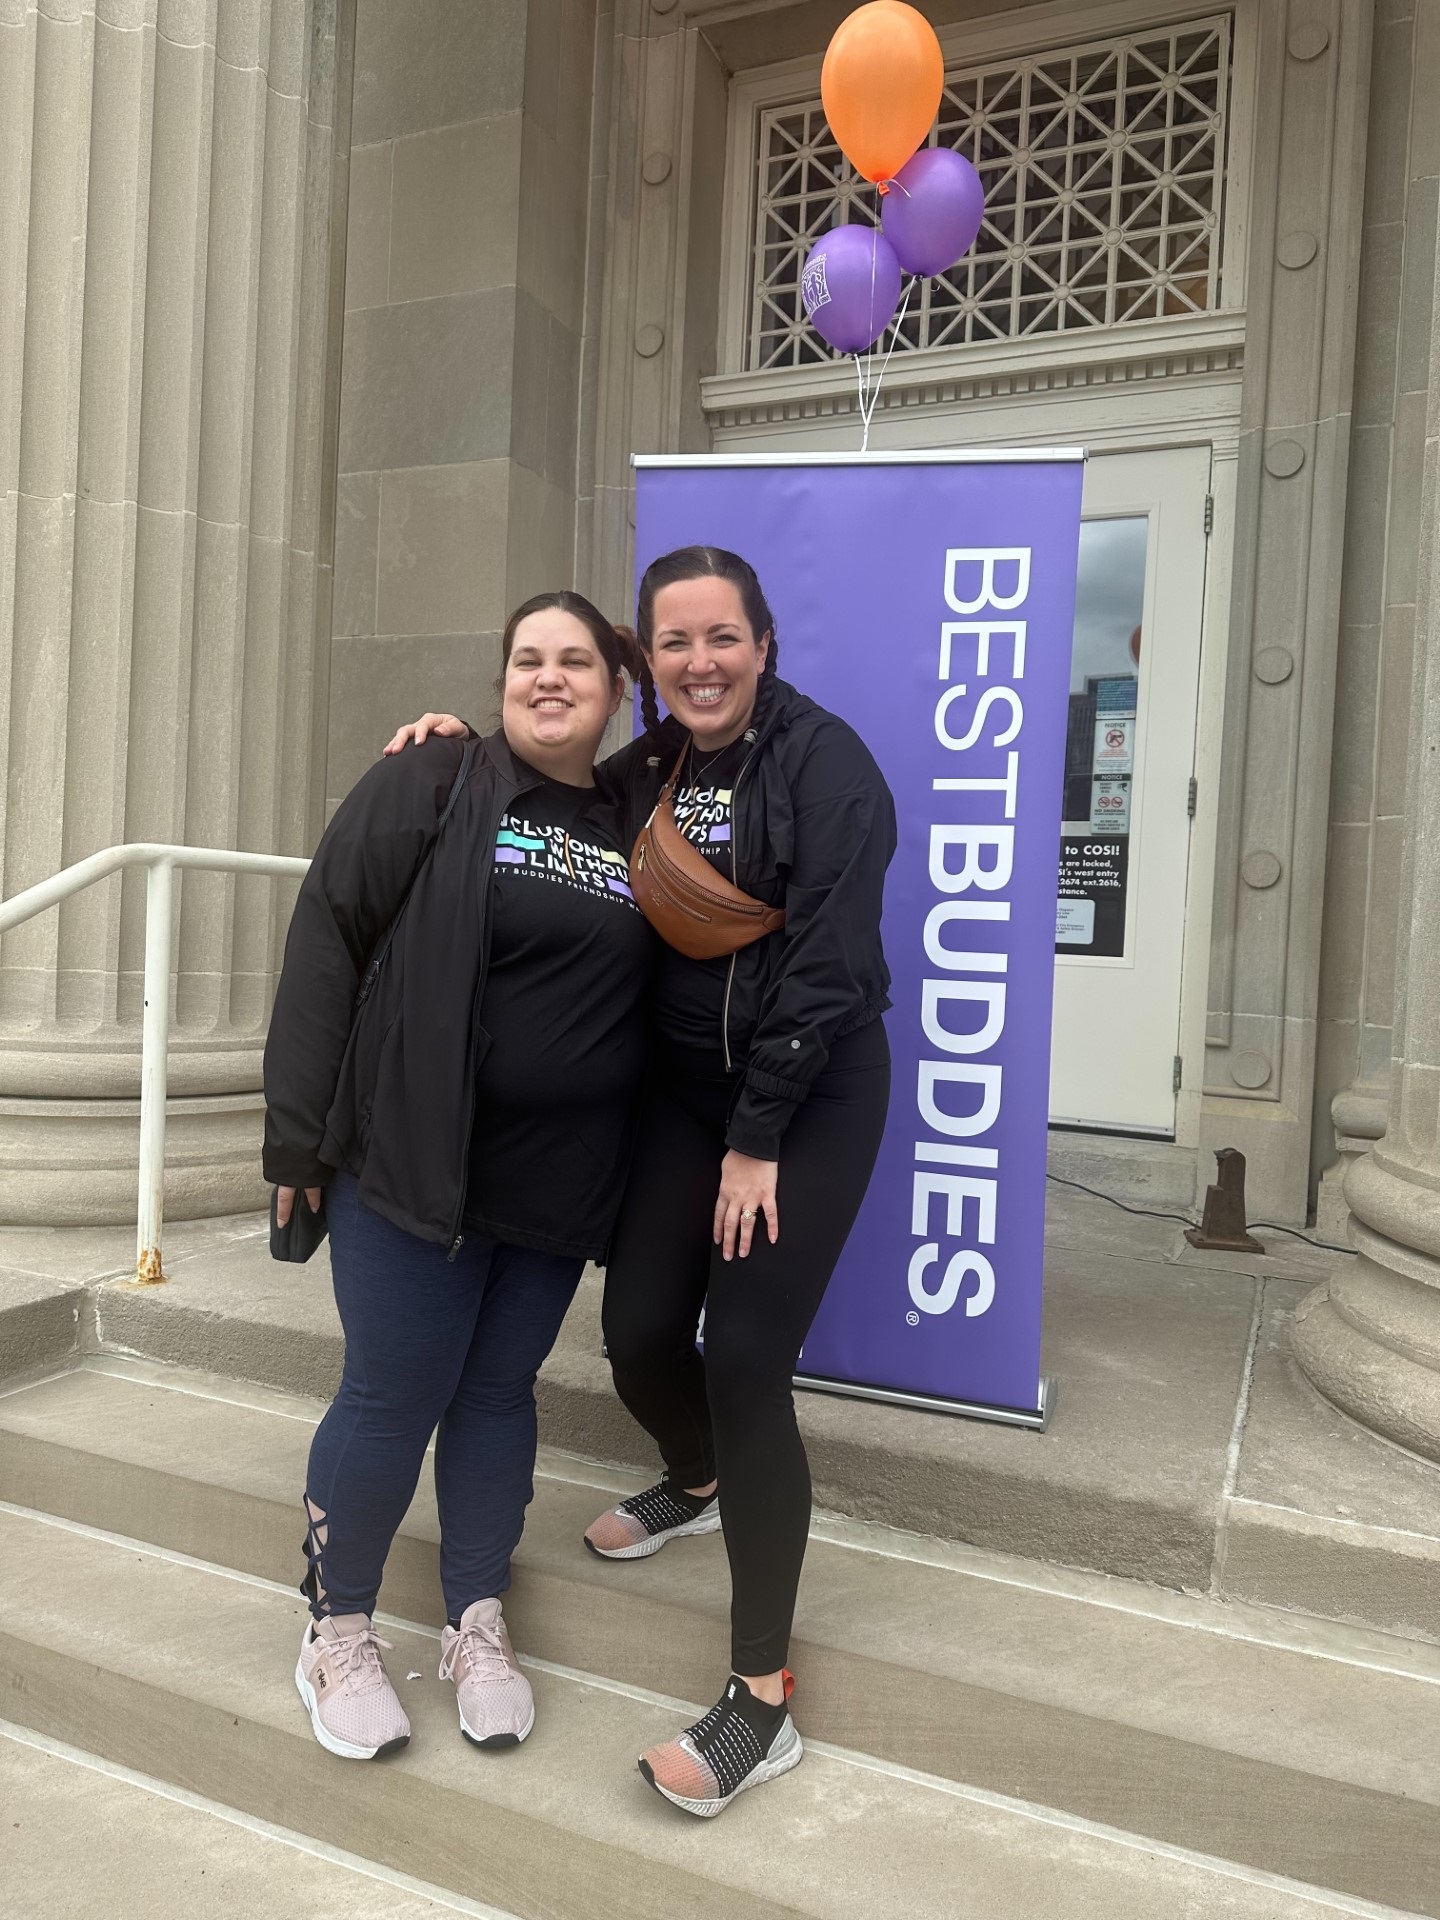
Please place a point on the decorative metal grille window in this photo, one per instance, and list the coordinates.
(1103, 167)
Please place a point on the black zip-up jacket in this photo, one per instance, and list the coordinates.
(812, 829)
(388, 1090)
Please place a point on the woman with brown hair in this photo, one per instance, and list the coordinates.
(453, 1057)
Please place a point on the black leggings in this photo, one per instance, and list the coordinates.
(732, 1416)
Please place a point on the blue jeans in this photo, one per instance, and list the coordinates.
(429, 1343)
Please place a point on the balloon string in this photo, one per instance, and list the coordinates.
(870, 396)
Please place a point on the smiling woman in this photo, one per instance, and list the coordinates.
(467, 1115)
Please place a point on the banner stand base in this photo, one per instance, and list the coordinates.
(1036, 1419)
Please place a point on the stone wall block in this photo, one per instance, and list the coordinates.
(1387, 169)
(1425, 152)
(432, 63)
(560, 421)
(1385, 859)
(530, 383)
(367, 245)
(378, 683)
(540, 536)
(544, 30)
(1418, 288)
(441, 547)
(577, 81)
(1396, 688)
(1362, 587)
(1378, 324)
(456, 209)
(357, 526)
(411, 397)
(554, 200)
(1352, 768)
(1406, 481)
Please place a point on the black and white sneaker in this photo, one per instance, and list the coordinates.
(742, 1742)
(642, 1524)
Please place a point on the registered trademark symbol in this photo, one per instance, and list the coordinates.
(912, 1319)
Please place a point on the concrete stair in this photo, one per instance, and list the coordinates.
(986, 1735)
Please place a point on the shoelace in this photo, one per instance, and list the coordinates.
(357, 1658)
(484, 1654)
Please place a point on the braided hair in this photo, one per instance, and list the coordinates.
(698, 563)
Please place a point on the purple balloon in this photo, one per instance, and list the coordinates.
(933, 210)
(851, 287)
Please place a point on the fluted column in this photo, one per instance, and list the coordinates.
(169, 329)
(1371, 1340)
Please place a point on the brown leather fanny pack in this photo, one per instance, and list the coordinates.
(692, 907)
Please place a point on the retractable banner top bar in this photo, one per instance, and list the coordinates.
(929, 600)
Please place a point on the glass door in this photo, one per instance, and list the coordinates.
(1124, 844)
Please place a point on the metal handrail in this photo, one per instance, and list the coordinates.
(159, 863)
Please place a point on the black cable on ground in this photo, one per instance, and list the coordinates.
(1188, 1220)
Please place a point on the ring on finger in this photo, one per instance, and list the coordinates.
(747, 1213)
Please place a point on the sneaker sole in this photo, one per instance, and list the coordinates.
(494, 1742)
(707, 1809)
(642, 1549)
(332, 1742)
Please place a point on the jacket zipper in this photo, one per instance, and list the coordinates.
(734, 881)
(457, 1238)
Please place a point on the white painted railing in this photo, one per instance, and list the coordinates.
(159, 863)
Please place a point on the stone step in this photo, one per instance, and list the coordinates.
(82, 1837)
(1292, 1747)
(1186, 1451)
(182, 1671)
(40, 1322)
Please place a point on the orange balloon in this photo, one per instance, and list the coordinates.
(881, 85)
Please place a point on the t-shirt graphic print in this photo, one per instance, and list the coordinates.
(570, 962)
(702, 814)
(554, 853)
(690, 994)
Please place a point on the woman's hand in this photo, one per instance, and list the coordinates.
(285, 1204)
(420, 730)
(747, 1189)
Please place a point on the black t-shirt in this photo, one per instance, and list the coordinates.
(690, 994)
(570, 961)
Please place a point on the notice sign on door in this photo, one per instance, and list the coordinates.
(1090, 914)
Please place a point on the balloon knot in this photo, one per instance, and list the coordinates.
(883, 186)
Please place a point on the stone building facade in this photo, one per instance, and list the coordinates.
(328, 329)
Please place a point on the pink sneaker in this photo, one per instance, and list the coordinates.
(497, 1708)
(353, 1708)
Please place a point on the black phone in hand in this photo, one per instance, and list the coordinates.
(301, 1233)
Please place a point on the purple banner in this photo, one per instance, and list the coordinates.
(930, 602)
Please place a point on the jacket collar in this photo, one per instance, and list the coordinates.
(515, 772)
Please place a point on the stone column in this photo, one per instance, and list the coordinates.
(1370, 1340)
(168, 388)
(1377, 600)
